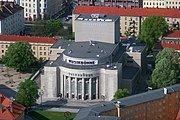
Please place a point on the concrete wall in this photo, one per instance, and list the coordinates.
(49, 82)
(101, 31)
(55, 53)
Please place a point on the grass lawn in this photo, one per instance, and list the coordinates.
(48, 115)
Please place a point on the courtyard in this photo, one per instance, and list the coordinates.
(11, 78)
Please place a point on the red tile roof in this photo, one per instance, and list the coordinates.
(32, 39)
(9, 109)
(178, 116)
(175, 46)
(175, 34)
(128, 11)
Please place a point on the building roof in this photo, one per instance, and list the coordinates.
(11, 109)
(174, 34)
(178, 116)
(94, 112)
(165, 12)
(8, 92)
(90, 49)
(97, 17)
(8, 8)
(63, 44)
(33, 39)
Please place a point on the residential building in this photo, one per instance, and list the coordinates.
(87, 69)
(10, 110)
(161, 4)
(11, 18)
(171, 40)
(156, 104)
(41, 8)
(115, 3)
(130, 18)
(40, 45)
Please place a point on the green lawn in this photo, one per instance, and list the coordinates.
(47, 115)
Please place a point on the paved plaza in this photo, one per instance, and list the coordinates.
(11, 78)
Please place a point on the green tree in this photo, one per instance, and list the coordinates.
(127, 33)
(152, 29)
(52, 27)
(27, 93)
(38, 28)
(19, 56)
(166, 70)
(120, 93)
(46, 28)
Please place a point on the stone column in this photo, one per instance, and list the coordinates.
(70, 94)
(90, 89)
(64, 94)
(76, 89)
(82, 88)
(97, 87)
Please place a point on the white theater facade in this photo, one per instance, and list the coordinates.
(93, 66)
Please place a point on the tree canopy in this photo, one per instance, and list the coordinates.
(120, 93)
(166, 70)
(46, 28)
(27, 93)
(152, 29)
(19, 56)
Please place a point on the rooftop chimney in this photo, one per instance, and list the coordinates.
(118, 106)
(12, 4)
(165, 91)
(1, 4)
(1, 98)
(10, 105)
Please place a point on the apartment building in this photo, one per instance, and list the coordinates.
(160, 104)
(161, 4)
(11, 18)
(40, 9)
(116, 3)
(40, 45)
(130, 18)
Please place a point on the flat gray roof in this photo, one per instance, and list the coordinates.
(101, 18)
(93, 112)
(62, 43)
(91, 49)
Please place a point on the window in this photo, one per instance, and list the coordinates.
(6, 46)
(34, 48)
(2, 51)
(2, 46)
(44, 48)
(40, 48)
(44, 53)
(40, 53)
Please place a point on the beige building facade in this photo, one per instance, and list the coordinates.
(40, 45)
(161, 4)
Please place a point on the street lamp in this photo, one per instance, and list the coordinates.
(41, 93)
